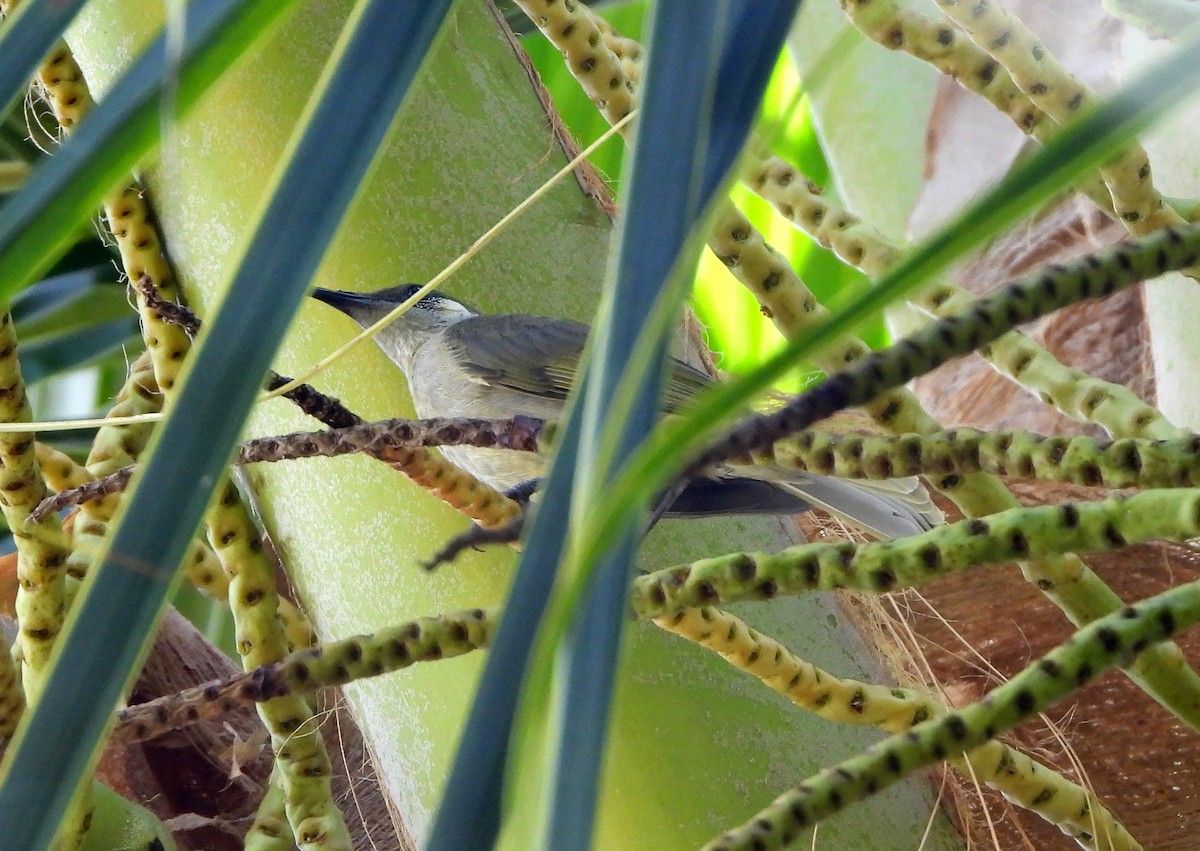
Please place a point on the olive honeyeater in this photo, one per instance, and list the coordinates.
(460, 363)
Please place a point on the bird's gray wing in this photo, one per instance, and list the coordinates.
(684, 383)
(539, 355)
(530, 354)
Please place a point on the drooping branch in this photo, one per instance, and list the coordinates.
(336, 663)
(1078, 460)
(378, 439)
(1112, 640)
(1014, 304)
(878, 567)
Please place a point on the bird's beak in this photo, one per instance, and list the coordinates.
(343, 301)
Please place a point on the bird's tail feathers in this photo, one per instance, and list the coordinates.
(885, 510)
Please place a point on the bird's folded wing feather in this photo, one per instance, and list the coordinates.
(506, 351)
(539, 356)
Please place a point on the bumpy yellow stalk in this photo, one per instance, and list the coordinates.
(129, 218)
(113, 448)
(116, 446)
(943, 46)
(1055, 91)
(572, 28)
(886, 566)
(42, 547)
(303, 762)
(59, 470)
(454, 486)
(1073, 392)
(269, 830)
(303, 671)
(627, 50)
(131, 223)
(1068, 806)
(1109, 641)
(1082, 460)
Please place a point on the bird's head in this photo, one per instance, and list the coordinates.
(399, 340)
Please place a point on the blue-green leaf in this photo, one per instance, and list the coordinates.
(26, 39)
(55, 355)
(125, 593)
(42, 219)
(674, 173)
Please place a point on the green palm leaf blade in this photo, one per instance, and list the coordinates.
(27, 37)
(42, 220)
(127, 590)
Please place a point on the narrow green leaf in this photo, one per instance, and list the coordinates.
(710, 101)
(68, 311)
(364, 84)
(40, 221)
(62, 353)
(623, 392)
(666, 196)
(51, 295)
(27, 37)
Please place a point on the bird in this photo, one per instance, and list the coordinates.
(459, 362)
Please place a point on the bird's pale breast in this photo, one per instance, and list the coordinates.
(446, 390)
